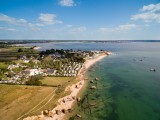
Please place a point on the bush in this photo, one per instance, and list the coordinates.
(34, 80)
(20, 50)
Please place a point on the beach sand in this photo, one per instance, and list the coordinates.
(66, 103)
(36, 48)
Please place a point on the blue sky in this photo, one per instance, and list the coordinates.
(80, 19)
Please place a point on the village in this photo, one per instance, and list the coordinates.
(63, 63)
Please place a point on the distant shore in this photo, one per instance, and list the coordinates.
(66, 103)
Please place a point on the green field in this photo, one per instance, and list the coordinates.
(3, 65)
(55, 81)
(10, 53)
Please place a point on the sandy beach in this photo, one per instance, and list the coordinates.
(36, 48)
(91, 62)
(66, 103)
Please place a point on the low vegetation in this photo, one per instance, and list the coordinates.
(35, 80)
(16, 100)
(25, 98)
(57, 81)
(3, 69)
(10, 53)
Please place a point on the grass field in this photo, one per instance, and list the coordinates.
(3, 65)
(17, 100)
(11, 53)
(55, 81)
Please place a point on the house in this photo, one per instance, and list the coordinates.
(25, 61)
(25, 72)
(32, 72)
(16, 77)
(56, 55)
(23, 57)
(51, 71)
(36, 61)
(35, 72)
(11, 66)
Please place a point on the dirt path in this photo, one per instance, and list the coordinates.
(50, 97)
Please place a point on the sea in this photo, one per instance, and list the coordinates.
(127, 89)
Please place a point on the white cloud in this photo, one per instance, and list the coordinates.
(149, 13)
(69, 26)
(78, 29)
(148, 7)
(67, 3)
(22, 21)
(39, 24)
(127, 27)
(48, 18)
(44, 19)
(8, 29)
(124, 27)
(104, 29)
(5, 18)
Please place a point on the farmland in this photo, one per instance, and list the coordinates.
(16, 100)
(55, 81)
(19, 101)
(9, 53)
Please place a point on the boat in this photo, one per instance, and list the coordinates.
(152, 69)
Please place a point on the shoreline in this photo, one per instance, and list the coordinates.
(66, 103)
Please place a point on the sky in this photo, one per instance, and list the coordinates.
(80, 19)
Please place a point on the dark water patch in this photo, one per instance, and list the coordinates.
(136, 95)
(97, 96)
(117, 85)
(113, 115)
(125, 96)
(156, 110)
(125, 71)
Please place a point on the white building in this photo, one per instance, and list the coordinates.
(25, 61)
(11, 66)
(51, 72)
(33, 72)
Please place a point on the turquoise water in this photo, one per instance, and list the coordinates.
(127, 89)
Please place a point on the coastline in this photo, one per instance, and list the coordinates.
(66, 103)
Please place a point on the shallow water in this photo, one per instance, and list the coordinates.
(127, 89)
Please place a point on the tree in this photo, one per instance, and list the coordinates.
(31, 64)
(34, 80)
(20, 50)
(17, 70)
